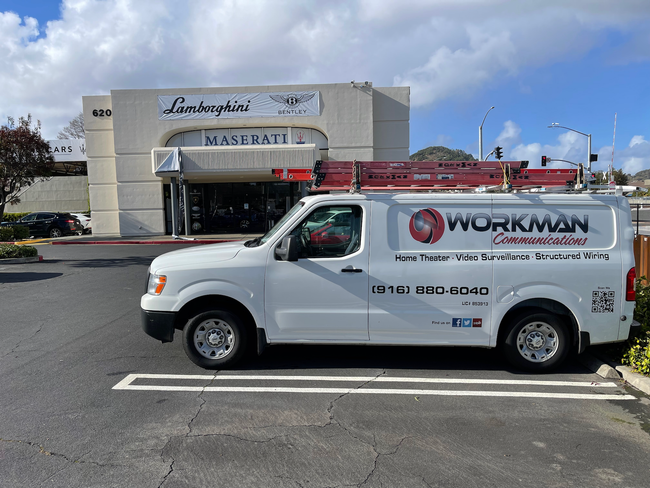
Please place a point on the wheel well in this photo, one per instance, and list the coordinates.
(540, 305)
(212, 302)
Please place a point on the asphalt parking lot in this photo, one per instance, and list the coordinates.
(89, 400)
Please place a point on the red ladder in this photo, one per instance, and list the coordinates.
(438, 175)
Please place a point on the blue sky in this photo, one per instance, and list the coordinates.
(576, 62)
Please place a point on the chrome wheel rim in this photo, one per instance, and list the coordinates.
(537, 342)
(214, 339)
(55, 233)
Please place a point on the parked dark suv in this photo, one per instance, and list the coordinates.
(49, 224)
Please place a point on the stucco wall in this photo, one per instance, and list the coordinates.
(58, 194)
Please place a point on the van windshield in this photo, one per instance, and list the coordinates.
(277, 226)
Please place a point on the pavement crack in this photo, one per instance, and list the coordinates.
(330, 408)
(13, 350)
(379, 454)
(45, 452)
(188, 433)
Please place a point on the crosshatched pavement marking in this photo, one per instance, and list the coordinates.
(127, 384)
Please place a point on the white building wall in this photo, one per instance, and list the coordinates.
(360, 122)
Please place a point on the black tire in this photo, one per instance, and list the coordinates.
(215, 339)
(536, 341)
(55, 232)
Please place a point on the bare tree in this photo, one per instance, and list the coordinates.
(74, 130)
(24, 156)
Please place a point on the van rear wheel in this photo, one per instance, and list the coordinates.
(536, 342)
(214, 339)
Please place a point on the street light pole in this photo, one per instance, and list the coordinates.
(556, 124)
(480, 136)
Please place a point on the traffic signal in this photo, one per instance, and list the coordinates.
(593, 157)
(543, 160)
(497, 152)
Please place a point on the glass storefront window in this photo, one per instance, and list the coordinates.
(255, 207)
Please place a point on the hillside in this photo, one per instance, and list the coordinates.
(641, 175)
(441, 153)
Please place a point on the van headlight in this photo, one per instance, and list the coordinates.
(156, 284)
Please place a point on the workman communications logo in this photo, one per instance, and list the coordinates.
(428, 225)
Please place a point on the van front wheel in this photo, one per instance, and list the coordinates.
(214, 339)
(536, 342)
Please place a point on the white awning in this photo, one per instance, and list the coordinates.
(235, 162)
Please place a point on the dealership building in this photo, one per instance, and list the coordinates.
(224, 143)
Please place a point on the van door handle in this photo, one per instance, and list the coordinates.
(350, 269)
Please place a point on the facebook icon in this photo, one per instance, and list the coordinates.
(456, 322)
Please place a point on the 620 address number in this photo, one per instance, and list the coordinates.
(101, 112)
(431, 290)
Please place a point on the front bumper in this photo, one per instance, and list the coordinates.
(159, 325)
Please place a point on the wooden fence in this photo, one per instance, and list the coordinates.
(642, 255)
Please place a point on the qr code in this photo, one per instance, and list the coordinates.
(602, 301)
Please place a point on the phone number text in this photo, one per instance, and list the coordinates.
(430, 290)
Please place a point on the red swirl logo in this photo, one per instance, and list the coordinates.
(427, 226)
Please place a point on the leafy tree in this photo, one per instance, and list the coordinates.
(74, 130)
(621, 178)
(24, 156)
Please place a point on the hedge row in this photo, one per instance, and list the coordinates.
(13, 251)
(636, 352)
(12, 217)
(13, 233)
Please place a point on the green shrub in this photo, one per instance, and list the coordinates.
(6, 234)
(20, 232)
(8, 251)
(12, 217)
(13, 233)
(28, 251)
(636, 352)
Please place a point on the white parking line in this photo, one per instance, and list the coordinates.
(363, 379)
(127, 384)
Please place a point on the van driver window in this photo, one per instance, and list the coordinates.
(330, 232)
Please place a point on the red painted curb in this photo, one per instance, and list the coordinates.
(67, 243)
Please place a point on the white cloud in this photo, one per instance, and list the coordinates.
(632, 159)
(569, 147)
(443, 49)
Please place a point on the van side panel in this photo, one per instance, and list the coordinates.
(429, 280)
(562, 248)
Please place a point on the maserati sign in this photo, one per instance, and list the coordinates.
(238, 105)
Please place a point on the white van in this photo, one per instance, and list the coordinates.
(538, 275)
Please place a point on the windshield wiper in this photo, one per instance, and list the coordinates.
(253, 242)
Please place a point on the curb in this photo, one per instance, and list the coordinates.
(605, 370)
(199, 241)
(638, 381)
(33, 259)
(599, 367)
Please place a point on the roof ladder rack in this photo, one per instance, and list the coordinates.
(356, 176)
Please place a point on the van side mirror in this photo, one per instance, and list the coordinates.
(288, 250)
